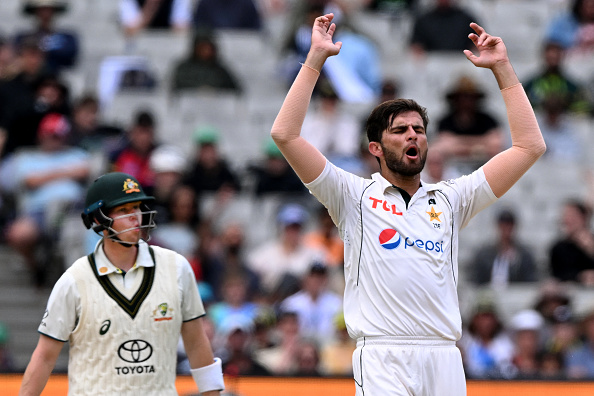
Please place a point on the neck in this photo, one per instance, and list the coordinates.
(121, 256)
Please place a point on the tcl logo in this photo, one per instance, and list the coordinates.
(380, 203)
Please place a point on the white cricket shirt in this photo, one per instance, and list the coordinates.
(401, 267)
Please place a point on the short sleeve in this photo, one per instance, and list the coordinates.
(62, 311)
(191, 303)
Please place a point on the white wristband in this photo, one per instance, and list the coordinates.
(209, 378)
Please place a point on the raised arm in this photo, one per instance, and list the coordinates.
(304, 158)
(506, 168)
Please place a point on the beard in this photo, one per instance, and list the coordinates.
(397, 164)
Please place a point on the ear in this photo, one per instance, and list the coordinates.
(376, 149)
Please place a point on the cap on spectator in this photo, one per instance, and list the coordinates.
(465, 86)
(318, 268)
(562, 314)
(31, 6)
(168, 158)
(271, 149)
(339, 322)
(527, 319)
(4, 334)
(292, 214)
(506, 216)
(53, 124)
(233, 323)
(206, 134)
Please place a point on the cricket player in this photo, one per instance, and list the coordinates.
(123, 307)
(400, 233)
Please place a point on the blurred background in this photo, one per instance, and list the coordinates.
(182, 94)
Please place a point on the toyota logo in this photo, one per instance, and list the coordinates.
(135, 351)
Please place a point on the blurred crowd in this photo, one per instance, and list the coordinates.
(274, 306)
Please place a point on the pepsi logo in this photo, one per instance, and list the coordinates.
(389, 239)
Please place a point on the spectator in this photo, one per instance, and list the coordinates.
(438, 167)
(210, 173)
(558, 129)
(552, 81)
(328, 114)
(8, 66)
(563, 336)
(505, 261)
(279, 359)
(315, 305)
(228, 260)
(227, 14)
(273, 175)
(553, 304)
(307, 359)
(237, 354)
(572, 255)
(486, 349)
(61, 47)
(179, 232)
(88, 132)
(393, 7)
(284, 259)
(526, 327)
(355, 74)
(46, 180)
(134, 157)
(466, 131)
(580, 360)
(169, 165)
(572, 29)
(7, 364)
(203, 68)
(235, 307)
(337, 353)
(443, 28)
(138, 15)
(551, 366)
(19, 117)
(325, 237)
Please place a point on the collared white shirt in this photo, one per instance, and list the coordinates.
(64, 304)
(401, 262)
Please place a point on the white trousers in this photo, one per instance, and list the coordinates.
(402, 366)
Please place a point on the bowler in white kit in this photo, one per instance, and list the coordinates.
(400, 233)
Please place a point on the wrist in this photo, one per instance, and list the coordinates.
(315, 60)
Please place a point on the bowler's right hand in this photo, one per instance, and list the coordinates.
(322, 45)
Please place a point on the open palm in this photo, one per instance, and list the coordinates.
(491, 48)
(322, 34)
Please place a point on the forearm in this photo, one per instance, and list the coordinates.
(35, 378)
(205, 370)
(288, 123)
(528, 145)
(304, 158)
(40, 367)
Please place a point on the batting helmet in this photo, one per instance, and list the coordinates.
(111, 190)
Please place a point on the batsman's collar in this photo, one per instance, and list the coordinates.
(105, 267)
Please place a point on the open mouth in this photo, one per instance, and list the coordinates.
(412, 152)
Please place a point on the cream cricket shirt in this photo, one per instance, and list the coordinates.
(401, 267)
(123, 329)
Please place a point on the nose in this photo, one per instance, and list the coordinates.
(411, 134)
